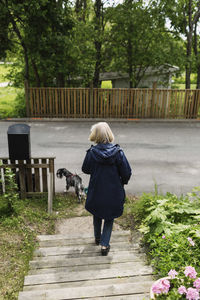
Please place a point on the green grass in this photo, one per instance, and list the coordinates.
(4, 69)
(181, 86)
(18, 236)
(7, 101)
(106, 84)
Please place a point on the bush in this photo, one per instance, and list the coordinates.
(9, 199)
(20, 105)
(171, 229)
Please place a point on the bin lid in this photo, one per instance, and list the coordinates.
(19, 129)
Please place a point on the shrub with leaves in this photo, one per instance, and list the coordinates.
(171, 229)
(10, 198)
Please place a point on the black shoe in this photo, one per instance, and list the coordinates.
(97, 241)
(105, 251)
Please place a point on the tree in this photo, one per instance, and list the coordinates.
(138, 40)
(43, 31)
(184, 15)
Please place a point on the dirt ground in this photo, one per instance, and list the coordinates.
(79, 225)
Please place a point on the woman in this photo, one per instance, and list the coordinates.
(109, 170)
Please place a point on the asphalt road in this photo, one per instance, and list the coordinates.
(167, 154)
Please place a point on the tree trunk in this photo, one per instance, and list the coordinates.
(130, 63)
(26, 60)
(96, 82)
(60, 80)
(98, 43)
(37, 76)
(189, 47)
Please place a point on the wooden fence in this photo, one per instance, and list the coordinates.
(31, 176)
(112, 103)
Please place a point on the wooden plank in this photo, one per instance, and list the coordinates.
(97, 282)
(83, 292)
(37, 175)
(49, 251)
(62, 102)
(50, 102)
(87, 105)
(169, 96)
(175, 100)
(143, 103)
(31, 101)
(28, 173)
(22, 179)
(56, 102)
(124, 297)
(86, 275)
(157, 94)
(119, 103)
(74, 236)
(44, 176)
(12, 162)
(44, 112)
(63, 261)
(83, 268)
(35, 166)
(83, 242)
(81, 103)
(68, 103)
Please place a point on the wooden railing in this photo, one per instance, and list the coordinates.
(113, 103)
(32, 177)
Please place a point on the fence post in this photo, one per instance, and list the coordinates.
(91, 100)
(50, 191)
(26, 87)
(22, 181)
(153, 99)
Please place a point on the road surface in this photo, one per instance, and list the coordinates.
(167, 153)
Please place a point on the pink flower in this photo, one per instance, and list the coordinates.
(163, 237)
(182, 290)
(190, 272)
(172, 273)
(161, 286)
(192, 243)
(196, 283)
(192, 294)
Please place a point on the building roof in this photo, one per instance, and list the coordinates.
(165, 69)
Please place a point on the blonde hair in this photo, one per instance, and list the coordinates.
(101, 133)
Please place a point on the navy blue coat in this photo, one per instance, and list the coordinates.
(109, 170)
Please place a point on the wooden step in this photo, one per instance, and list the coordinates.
(78, 249)
(106, 281)
(65, 261)
(66, 276)
(126, 297)
(72, 267)
(77, 236)
(121, 266)
(87, 292)
(85, 241)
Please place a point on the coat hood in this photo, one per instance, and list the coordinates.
(105, 153)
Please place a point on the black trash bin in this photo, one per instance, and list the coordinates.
(19, 142)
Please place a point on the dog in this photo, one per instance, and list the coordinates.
(72, 180)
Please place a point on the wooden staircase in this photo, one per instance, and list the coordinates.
(72, 267)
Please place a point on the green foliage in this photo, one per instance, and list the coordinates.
(166, 222)
(12, 102)
(20, 105)
(18, 233)
(9, 199)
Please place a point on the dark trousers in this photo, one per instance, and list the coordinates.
(103, 236)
